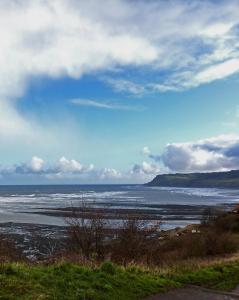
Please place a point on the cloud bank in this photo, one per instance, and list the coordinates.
(219, 153)
(37, 170)
(63, 170)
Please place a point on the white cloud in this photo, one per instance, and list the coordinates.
(72, 38)
(69, 166)
(197, 43)
(64, 170)
(145, 168)
(57, 39)
(102, 105)
(109, 173)
(146, 150)
(123, 85)
(219, 153)
(217, 71)
(37, 170)
(36, 164)
(191, 43)
(11, 123)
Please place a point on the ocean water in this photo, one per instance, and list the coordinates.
(175, 206)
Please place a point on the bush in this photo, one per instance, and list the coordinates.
(86, 235)
(135, 242)
(207, 243)
(108, 267)
(227, 222)
(8, 250)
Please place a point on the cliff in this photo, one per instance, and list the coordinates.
(215, 179)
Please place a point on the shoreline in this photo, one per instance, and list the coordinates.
(147, 212)
(39, 241)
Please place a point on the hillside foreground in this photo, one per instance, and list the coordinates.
(138, 262)
(108, 281)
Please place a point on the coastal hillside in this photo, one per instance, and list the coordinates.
(215, 179)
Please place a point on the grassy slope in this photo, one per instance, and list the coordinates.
(67, 281)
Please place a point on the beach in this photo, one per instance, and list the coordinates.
(31, 213)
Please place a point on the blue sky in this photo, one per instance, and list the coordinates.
(120, 92)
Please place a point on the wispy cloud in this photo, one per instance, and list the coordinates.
(102, 105)
(123, 85)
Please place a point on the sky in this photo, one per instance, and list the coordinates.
(117, 91)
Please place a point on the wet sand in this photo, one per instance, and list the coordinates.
(36, 241)
(155, 212)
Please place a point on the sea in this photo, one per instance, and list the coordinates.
(176, 207)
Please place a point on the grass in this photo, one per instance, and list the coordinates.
(108, 282)
(67, 281)
(221, 277)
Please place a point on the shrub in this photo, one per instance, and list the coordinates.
(227, 222)
(207, 243)
(136, 242)
(8, 250)
(108, 267)
(86, 235)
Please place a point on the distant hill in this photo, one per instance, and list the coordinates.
(215, 179)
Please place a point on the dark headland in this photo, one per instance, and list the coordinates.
(228, 179)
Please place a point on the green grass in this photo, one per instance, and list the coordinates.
(67, 281)
(109, 282)
(222, 277)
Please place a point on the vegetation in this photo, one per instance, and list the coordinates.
(145, 261)
(215, 179)
(222, 277)
(67, 281)
(8, 250)
(91, 239)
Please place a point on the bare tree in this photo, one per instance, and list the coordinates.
(210, 215)
(87, 232)
(135, 241)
